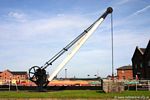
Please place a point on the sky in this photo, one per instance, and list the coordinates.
(32, 31)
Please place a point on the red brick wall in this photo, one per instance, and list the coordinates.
(7, 75)
(125, 74)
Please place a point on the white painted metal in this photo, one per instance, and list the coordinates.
(75, 49)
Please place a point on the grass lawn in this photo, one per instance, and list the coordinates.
(72, 94)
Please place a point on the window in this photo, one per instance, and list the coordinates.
(141, 65)
(122, 71)
(149, 63)
(135, 66)
(123, 77)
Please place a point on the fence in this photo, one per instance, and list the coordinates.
(121, 85)
(137, 85)
(6, 85)
(127, 84)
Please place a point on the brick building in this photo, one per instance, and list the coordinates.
(141, 62)
(13, 75)
(125, 73)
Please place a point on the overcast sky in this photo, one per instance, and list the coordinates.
(32, 31)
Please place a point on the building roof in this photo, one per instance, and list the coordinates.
(125, 67)
(147, 49)
(18, 72)
(142, 50)
(79, 78)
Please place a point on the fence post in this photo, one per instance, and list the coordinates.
(9, 84)
(149, 85)
(136, 86)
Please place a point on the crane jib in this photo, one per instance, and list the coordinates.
(109, 10)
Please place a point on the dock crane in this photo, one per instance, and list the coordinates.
(38, 74)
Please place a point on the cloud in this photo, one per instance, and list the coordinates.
(141, 10)
(29, 37)
(123, 2)
(17, 16)
(43, 27)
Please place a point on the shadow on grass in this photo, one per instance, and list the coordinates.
(44, 91)
(100, 91)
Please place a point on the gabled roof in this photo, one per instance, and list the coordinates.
(147, 48)
(142, 50)
(8, 70)
(138, 51)
(125, 67)
(148, 45)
